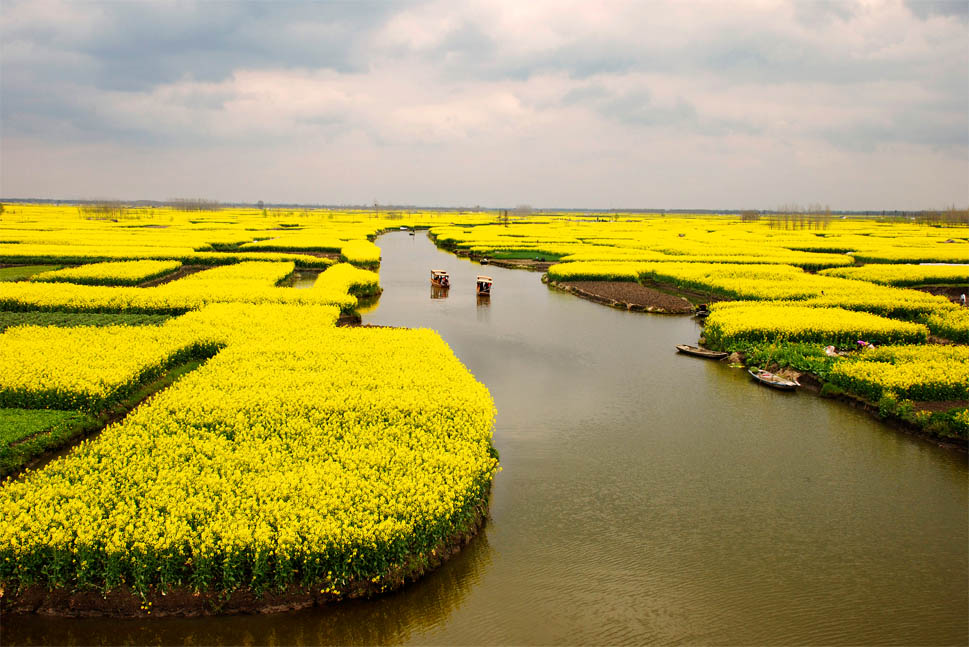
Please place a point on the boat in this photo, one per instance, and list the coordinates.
(701, 352)
(410, 233)
(484, 285)
(702, 311)
(769, 379)
(440, 278)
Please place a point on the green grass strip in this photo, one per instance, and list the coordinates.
(71, 319)
(24, 271)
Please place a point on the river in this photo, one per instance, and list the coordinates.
(645, 497)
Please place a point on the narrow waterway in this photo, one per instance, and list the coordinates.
(646, 497)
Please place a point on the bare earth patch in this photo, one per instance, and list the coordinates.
(629, 295)
(935, 407)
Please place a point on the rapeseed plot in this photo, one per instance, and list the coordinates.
(88, 367)
(740, 322)
(912, 372)
(301, 454)
(361, 252)
(248, 282)
(951, 324)
(122, 273)
(900, 275)
(345, 278)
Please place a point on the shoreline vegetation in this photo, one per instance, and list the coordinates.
(185, 601)
(929, 420)
(370, 395)
(659, 285)
(427, 456)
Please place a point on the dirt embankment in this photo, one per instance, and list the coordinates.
(333, 256)
(950, 292)
(519, 263)
(182, 272)
(627, 295)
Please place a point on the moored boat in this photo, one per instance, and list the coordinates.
(701, 352)
(770, 379)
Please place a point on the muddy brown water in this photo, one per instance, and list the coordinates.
(645, 498)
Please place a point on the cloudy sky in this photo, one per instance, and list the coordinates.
(860, 105)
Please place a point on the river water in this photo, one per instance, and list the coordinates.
(645, 497)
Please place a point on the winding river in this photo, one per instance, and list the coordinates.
(645, 497)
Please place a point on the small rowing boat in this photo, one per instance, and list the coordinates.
(776, 381)
(700, 352)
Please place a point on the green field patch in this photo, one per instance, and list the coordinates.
(71, 319)
(28, 433)
(90, 368)
(20, 272)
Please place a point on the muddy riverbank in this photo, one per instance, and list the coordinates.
(627, 295)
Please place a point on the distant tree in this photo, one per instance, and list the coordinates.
(104, 210)
(194, 204)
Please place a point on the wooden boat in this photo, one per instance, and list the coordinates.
(702, 311)
(701, 352)
(440, 278)
(484, 286)
(776, 381)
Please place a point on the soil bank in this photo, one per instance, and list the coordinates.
(627, 295)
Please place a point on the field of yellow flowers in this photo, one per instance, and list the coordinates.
(304, 455)
(798, 286)
(299, 455)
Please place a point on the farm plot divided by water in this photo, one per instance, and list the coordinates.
(300, 458)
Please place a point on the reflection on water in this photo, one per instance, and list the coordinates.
(304, 279)
(438, 292)
(645, 497)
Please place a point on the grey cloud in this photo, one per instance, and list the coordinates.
(820, 13)
(54, 70)
(906, 127)
(638, 109)
(139, 45)
(925, 9)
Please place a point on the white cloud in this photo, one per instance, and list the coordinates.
(555, 103)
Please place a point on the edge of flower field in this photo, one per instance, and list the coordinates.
(185, 601)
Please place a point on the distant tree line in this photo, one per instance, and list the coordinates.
(948, 217)
(194, 204)
(792, 216)
(104, 210)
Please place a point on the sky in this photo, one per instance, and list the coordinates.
(554, 104)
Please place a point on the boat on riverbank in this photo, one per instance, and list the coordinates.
(696, 351)
(770, 379)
